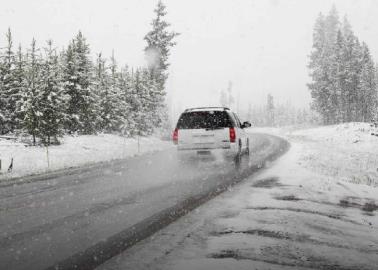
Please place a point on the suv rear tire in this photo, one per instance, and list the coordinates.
(238, 155)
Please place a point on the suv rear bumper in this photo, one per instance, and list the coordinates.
(227, 151)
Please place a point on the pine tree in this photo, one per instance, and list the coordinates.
(368, 100)
(30, 107)
(20, 86)
(330, 66)
(78, 77)
(159, 42)
(102, 90)
(128, 123)
(348, 59)
(52, 99)
(342, 72)
(109, 89)
(116, 101)
(9, 92)
(318, 87)
(137, 104)
(70, 81)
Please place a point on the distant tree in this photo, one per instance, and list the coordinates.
(270, 110)
(230, 97)
(249, 113)
(226, 97)
(223, 98)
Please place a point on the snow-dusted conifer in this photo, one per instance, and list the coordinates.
(20, 85)
(117, 102)
(8, 90)
(342, 72)
(128, 123)
(159, 42)
(30, 107)
(368, 101)
(108, 88)
(52, 100)
(78, 77)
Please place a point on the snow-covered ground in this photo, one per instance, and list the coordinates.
(347, 152)
(73, 151)
(316, 207)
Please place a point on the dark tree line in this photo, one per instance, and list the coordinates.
(344, 78)
(48, 92)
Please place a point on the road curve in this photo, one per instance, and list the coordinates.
(79, 221)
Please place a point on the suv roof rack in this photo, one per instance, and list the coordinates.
(199, 108)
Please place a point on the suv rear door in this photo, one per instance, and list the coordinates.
(204, 129)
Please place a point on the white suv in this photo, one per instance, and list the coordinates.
(207, 130)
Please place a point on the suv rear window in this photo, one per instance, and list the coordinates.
(204, 119)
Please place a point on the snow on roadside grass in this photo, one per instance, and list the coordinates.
(347, 151)
(73, 152)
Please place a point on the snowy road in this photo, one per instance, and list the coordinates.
(45, 222)
(290, 215)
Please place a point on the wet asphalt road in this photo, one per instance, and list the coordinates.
(45, 222)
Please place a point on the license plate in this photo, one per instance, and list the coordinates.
(203, 152)
(203, 138)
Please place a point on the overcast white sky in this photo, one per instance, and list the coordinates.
(261, 46)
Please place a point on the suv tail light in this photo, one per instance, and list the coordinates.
(232, 134)
(175, 136)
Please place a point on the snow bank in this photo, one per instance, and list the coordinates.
(73, 152)
(347, 151)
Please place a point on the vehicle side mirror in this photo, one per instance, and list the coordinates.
(246, 124)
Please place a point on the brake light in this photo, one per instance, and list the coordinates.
(232, 134)
(175, 136)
